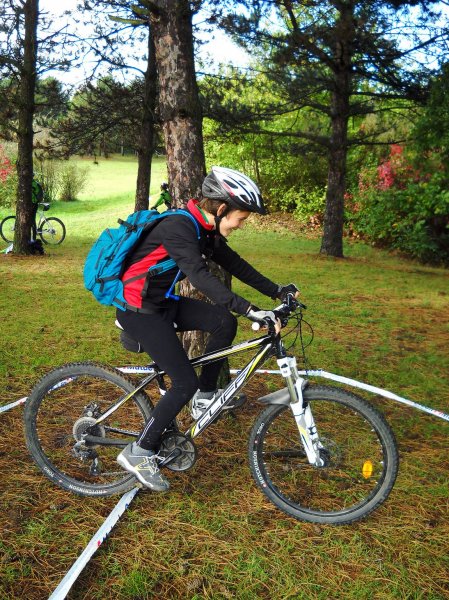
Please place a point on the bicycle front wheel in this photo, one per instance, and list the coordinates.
(7, 227)
(358, 449)
(63, 406)
(52, 231)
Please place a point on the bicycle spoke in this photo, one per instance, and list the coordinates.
(62, 415)
(357, 449)
(52, 230)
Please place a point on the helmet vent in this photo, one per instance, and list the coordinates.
(234, 188)
(227, 186)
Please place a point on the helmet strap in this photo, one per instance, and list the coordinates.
(218, 218)
(217, 223)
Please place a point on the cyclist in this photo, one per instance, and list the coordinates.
(37, 195)
(228, 198)
(164, 198)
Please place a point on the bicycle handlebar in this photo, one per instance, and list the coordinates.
(282, 312)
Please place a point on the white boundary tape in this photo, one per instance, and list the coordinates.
(312, 373)
(325, 374)
(376, 390)
(13, 404)
(72, 574)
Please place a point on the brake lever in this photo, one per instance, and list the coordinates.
(282, 312)
(292, 303)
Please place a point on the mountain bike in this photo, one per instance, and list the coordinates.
(51, 230)
(318, 453)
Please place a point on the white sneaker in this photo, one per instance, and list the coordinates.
(201, 402)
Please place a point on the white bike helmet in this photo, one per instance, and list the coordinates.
(234, 188)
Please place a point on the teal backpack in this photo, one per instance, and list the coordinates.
(104, 264)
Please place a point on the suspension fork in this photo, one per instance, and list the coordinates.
(301, 409)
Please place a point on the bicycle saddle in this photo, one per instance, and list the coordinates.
(127, 341)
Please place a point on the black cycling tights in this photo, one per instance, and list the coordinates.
(157, 335)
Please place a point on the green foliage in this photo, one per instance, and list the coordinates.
(102, 118)
(294, 184)
(48, 174)
(72, 181)
(432, 129)
(403, 200)
(51, 101)
(413, 220)
(292, 179)
(8, 190)
(310, 204)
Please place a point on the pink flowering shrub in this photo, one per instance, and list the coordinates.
(405, 207)
(8, 180)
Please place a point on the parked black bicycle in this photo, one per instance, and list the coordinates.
(318, 453)
(51, 230)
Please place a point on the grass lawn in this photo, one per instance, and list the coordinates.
(376, 317)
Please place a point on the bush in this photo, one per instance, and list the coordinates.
(413, 220)
(310, 203)
(48, 172)
(8, 179)
(72, 181)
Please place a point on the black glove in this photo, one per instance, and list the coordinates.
(283, 290)
(260, 316)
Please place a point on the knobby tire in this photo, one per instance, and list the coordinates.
(7, 228)
(359, 448)
(57, 411)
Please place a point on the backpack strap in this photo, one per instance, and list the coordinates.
(181, 211)
(163, 266)
(126, 306)
(169, 293)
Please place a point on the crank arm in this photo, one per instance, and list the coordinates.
(174, 454)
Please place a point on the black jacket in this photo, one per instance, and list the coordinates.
(176, 237)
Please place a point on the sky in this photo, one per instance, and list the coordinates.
(219, 48)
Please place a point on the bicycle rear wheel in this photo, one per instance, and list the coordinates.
(7, 227)
(63, 406)
(359, 452)
(52, 231)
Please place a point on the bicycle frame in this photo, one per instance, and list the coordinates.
(42, 220)
(264, 342)
(268, 344)
(42, 217)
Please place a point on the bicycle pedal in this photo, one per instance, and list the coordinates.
(237, 402)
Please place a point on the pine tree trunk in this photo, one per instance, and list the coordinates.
(179, 105)
(24, 208)
(146, 140)
(332, 241)
(181, 116)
